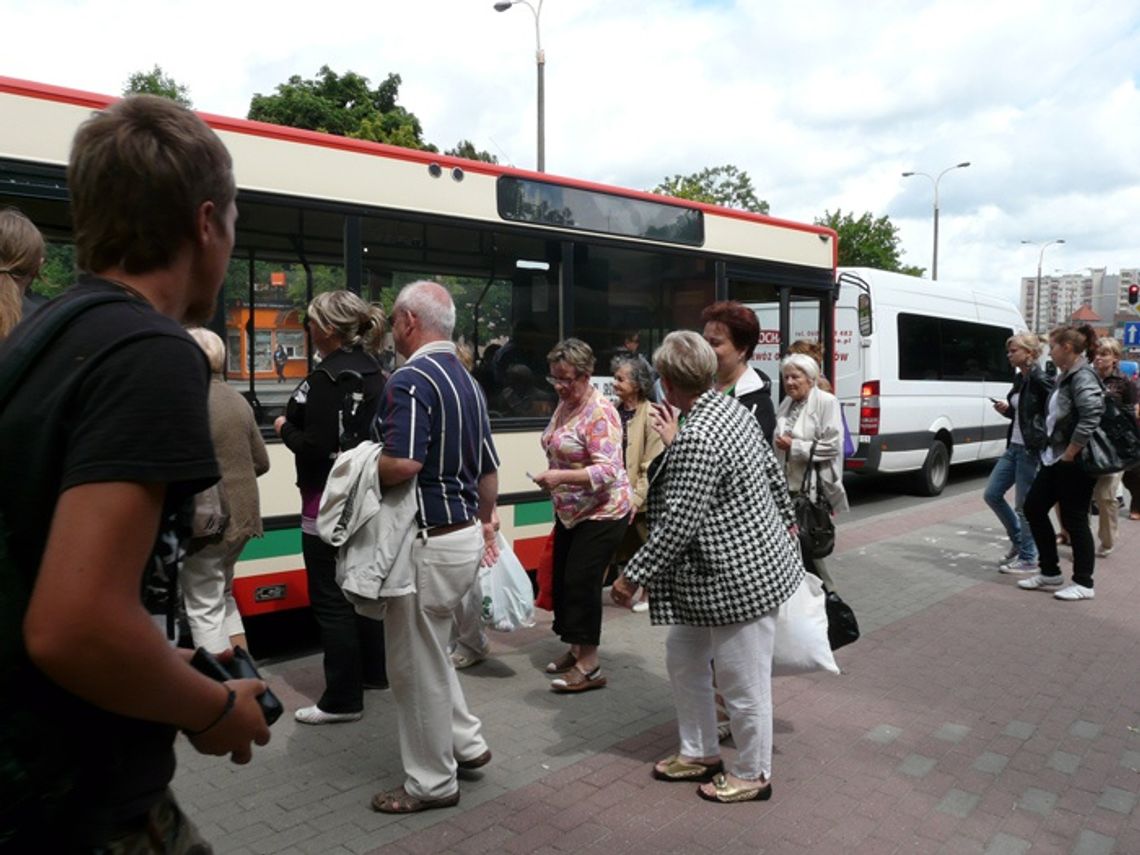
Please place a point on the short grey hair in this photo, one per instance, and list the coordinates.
(575, 353)
(432, 305)
(802, 363)
(212, 346)
(686, 361)
(639, 373)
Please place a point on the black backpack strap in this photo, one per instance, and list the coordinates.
(43, 328)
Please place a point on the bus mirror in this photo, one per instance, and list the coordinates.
(864, 312)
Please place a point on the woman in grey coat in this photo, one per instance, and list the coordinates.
(1072, 413)
(719, 560)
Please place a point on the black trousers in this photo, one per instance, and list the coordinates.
(353, 645)
(1067, 484)
(581, 555)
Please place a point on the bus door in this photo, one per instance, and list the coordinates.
(787, 314)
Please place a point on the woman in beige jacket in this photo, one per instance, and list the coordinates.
(808, 426)
(207, 577)
(633, 385)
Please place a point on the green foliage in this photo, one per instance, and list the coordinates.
(867, 242)
(58, 271)
(344, 105)
(466, 148)
(157, 82)
(720, 185)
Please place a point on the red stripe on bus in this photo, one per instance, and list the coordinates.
(294, 592)
(43, 91)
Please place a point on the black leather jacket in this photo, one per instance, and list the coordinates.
(1033, 392)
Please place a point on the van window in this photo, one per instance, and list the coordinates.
(944, 349)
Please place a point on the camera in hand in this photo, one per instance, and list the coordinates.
(240, 667)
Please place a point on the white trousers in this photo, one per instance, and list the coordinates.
(743, 656)
(435, 726)
(207, 581)
(467, 635)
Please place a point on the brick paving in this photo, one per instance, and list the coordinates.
(972, 717)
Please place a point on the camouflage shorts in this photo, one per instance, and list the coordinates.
(167, 830)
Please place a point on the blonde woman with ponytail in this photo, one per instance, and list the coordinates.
(21, 256)
(347, 333)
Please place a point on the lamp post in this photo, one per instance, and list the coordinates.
(540, 63)
(934, 180)
(1037, 293)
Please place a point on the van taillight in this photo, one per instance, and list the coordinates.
(869, 408)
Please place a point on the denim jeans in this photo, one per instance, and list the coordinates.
(1016, 468)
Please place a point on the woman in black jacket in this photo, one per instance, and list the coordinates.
(1024, 406)
(347, 333)
(1072, 413)
(733, 332)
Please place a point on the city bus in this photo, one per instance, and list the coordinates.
(528, 257)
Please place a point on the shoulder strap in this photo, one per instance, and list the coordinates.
(806, 483)
(45, 325)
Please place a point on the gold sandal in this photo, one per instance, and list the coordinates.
(727, 793)
(675, 769)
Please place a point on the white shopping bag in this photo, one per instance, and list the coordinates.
(801, 643)
(508, 598)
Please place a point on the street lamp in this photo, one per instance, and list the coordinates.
(540, 62)
(1037, 293)
(934, 181)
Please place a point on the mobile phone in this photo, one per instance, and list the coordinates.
(995, 400)
(531, 477)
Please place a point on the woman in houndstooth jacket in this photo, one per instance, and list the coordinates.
(719, 560)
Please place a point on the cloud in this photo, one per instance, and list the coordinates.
(823, 105)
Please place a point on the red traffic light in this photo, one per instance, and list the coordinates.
(1133, 294)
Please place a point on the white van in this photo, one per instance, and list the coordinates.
(918, 364)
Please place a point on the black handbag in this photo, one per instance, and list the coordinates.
(842, 627)
(813, 518)
(1114, 446)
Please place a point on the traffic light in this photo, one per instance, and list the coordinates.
(1133, 294)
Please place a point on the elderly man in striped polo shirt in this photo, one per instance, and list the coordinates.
(434, 426)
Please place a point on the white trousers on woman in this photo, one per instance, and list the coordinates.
(743, 656)
(207, 580)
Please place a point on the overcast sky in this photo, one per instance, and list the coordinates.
(824, 104)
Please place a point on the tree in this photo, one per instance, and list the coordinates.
(343, 105)
(466, 148)
(157, 82)
(720, 185)
(867, 242)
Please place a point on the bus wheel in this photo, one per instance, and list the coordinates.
(935, 472)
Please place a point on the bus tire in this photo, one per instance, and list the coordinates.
(931, 479)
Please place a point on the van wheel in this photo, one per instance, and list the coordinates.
(935, 472)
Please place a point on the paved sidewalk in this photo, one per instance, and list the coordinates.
(972, 717)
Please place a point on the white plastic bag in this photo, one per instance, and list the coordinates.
(508, 598)
(801, 644)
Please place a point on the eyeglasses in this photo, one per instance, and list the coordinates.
(557, 382)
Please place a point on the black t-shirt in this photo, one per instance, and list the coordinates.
(120, 395)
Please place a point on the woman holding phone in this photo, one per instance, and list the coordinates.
(1025, 439)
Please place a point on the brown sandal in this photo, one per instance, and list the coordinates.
(577, 680)
(400, 800)
(562, 664)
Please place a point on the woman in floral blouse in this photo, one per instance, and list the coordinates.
(592, 503)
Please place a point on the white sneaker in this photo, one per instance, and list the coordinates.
(316, 715)
(1018, 567)
(1034, 583)
(1075, 592)
(642, 606)
(1009, 556)
(1104, 553)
